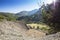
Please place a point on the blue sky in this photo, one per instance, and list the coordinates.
(15, 6)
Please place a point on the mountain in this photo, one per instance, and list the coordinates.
(22, 13)
(33, 12)
(34, 16)
(38, 15)
(26, 13)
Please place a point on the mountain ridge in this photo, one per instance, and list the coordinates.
(26, 13)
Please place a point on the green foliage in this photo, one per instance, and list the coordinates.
(2, 17)
(30, 19)
(38, 27)
(46, 13)
(7, 16)
(52, 17)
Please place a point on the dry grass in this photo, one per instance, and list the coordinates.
(33, 25)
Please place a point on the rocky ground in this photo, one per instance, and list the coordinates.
(18, 31)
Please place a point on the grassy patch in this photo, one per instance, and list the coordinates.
(42, 27)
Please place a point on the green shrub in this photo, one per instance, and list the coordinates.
(8, 16)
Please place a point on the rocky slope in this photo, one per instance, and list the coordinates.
(18, 31)
(11, 30)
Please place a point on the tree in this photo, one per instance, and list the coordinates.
(56, 16)
(51, 15)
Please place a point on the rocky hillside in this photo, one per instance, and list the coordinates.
(18, 31)
(11, 30)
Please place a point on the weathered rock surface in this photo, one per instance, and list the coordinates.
(18, 31)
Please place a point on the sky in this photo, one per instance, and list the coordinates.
(15, 6)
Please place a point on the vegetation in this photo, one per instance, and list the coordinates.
(30, 19)
(39, 26)
(7, 16)
(51, 16)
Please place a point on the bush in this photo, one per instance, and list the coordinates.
(8, 16)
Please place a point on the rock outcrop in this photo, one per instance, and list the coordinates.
(18, 31)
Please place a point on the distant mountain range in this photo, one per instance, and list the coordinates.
(27, 16)
(31, 16)
(26, 13)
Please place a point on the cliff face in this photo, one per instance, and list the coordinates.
(18, 31)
